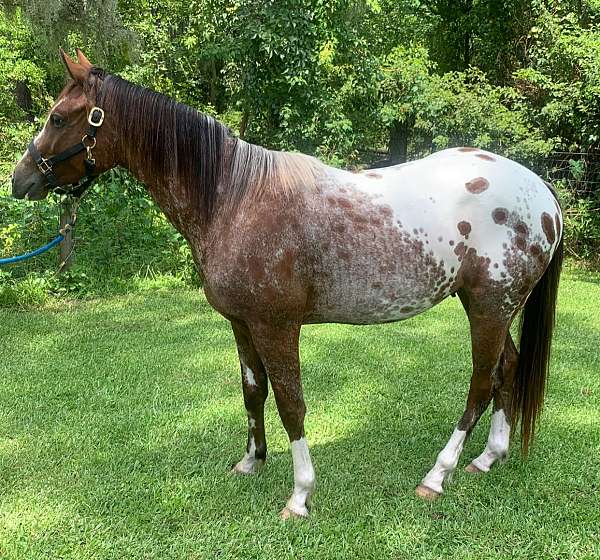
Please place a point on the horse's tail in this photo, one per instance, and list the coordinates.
(537, 324)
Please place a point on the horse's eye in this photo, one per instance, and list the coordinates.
(57, 120)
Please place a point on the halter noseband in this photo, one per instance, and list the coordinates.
(88, 143)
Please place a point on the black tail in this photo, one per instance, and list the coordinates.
(537, 324)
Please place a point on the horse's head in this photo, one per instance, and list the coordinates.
(67, 133)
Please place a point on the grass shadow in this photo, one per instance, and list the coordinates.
(119, 420)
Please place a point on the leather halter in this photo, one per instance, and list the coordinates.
(88, 143)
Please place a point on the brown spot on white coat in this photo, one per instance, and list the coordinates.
(477, 185)
(548, 227)
(464, 228)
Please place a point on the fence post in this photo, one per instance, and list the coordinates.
(66, 247)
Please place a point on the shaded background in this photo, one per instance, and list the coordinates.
(356, 83)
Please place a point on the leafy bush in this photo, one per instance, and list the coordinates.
(345, 81)
(30, 291)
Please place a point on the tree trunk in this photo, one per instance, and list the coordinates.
(23, 99)
(66, 247)
(213, 84)
(244, 123)
(467, 37)
(398, 143)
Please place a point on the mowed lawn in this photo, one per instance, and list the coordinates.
(120, 418)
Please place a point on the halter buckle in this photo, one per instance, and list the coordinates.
(44, 166)
(91, 120)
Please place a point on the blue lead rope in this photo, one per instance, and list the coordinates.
(9, 260)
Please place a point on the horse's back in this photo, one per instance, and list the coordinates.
(433, 190)
(473, 197)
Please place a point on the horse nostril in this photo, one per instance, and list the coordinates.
(15, 190)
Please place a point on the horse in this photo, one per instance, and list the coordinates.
(281, 240)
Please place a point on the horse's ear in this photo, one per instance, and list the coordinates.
(83, 60)
(77, 71)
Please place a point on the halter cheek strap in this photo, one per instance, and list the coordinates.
(87, 144)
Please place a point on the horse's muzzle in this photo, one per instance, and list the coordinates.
(28, 183)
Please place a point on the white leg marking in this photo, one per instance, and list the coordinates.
(304, 479)
(249, 463)
(446, 461)
(249, 374)
(498, 442)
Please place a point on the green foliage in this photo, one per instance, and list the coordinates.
(94, 26)
(17, 66)
(471, 111)
(457, 108)
(343, 80)
(17, 60)
(582, 217)
(406, 84)
(31, 291)
(121, 239)
(563, 81)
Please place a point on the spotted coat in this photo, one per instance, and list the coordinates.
(382, 246)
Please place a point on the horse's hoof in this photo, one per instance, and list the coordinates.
(426, 493)
(287, 513)
(246, 468)
(471, 468)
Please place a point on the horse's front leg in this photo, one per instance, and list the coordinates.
(278, 349)
(256, 389)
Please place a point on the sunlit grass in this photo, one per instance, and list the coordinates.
(120, 417)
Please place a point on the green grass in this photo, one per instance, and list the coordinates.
(120, 417)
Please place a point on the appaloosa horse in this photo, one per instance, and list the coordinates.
(281, 240)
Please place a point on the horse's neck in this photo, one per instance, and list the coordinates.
(177, 207)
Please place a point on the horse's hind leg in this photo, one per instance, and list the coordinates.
(255, 388)
(488, 334)
(499, 438)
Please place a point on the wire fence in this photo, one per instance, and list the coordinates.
(580, 171)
